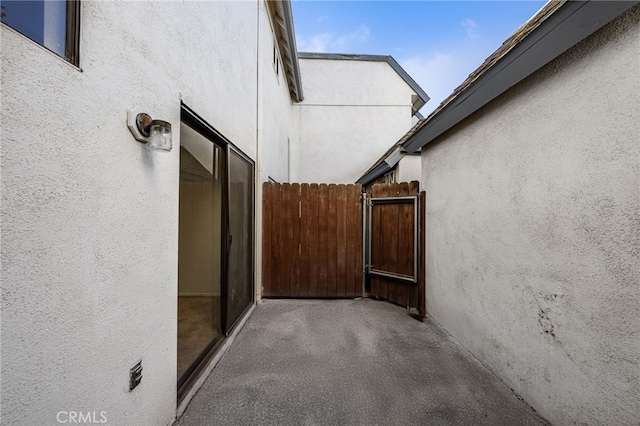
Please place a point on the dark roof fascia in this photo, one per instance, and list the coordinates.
(380, 169)
(291, 39)
(376, 170)
(391, 157)
(563, 29)
(423, 98)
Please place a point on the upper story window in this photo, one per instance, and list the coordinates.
(54, 24)
(276, 61)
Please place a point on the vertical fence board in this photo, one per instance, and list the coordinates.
(385, 191)
(314, 240)
(376, 248)
(323, 237)
(341, 240)
(294, 247)
(287, 235)
(267, 213)
(276, 238)
(303, 277)
(333, 245)
(394, 249)
(405, 250)
(351, 212)
(358, 253)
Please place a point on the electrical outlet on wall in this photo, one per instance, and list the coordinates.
(135, 375)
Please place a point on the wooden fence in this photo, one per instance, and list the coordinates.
(312, 241)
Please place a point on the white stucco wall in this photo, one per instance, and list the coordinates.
(275, 111)
(352, 112)
(276, 129)
(533, 207)
(409, 168)
(90, 216)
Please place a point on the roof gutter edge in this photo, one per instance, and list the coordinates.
(381, 169)
(288, 19)
(423, 98)
(389, 163)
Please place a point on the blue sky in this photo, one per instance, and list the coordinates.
(437, 42)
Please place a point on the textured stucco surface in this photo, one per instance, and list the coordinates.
(276, 116)
(352, 113)
(410, 168)
(276, 129)
(90, 216)
(533, 206)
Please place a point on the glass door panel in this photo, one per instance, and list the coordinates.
(240, 238)
(199, 248)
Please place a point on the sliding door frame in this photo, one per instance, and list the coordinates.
(193, 120)
(226, 327)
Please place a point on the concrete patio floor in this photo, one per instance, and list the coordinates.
(350, 362)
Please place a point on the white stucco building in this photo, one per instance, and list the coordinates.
(111, 249)
(354, 106)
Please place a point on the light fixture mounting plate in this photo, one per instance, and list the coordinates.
(132, 123)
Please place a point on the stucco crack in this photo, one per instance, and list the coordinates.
(544, 318)
(545, 322)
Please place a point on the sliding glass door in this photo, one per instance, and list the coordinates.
(215, 243)
(200, 277)
(239, 294)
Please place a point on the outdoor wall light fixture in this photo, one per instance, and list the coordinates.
(157, 133)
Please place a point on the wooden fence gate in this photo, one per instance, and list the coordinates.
(395, 257)
(313, 244)
(312, 241)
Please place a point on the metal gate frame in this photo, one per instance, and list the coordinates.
(370, 202)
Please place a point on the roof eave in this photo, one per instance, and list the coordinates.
(390, 158)
(563, 29)
(380, 170)
(423, 98)
(291, 40)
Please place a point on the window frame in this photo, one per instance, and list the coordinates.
(276, 60)
(72, 34)
(72, 41)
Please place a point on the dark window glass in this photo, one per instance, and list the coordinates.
(240, 279)
(50, 23)
(200, 241)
